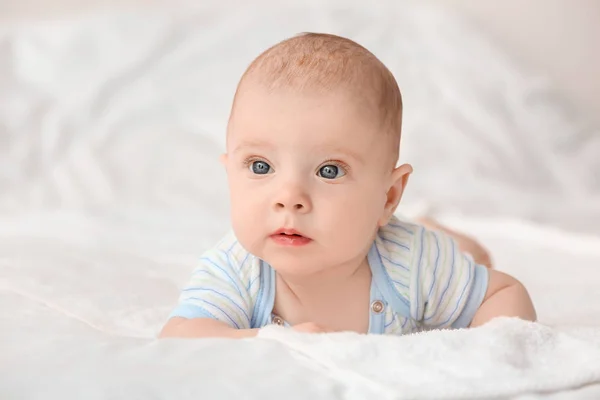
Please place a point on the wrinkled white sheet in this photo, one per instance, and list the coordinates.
(83, 294)
(110, 129)
(132, 108)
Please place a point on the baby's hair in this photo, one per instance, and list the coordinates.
(319, 62)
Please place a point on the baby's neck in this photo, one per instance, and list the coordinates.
(333, 294)
(327, 281)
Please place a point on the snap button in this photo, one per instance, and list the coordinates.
(277, 320)
(377, 306)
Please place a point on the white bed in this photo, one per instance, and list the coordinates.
(110, 130)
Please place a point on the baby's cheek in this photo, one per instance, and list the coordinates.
(355, 217)
(246, 229)
(363, 204)
(243, 197)
(244, 211)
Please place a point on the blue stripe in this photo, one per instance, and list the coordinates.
(476, 295)
(400, 283)
(222, 295)
(405, 322)
(394, 242)
(419, 267)
(244, 260)
(218, 308)
(201, 271)
(392, 321)
(437, 261)
(402, 228)
(263, 307)
(447, 286)
(225, 272)
(227, 254)
(394, 263)
(467, 284)
(252, 282)
(231, 247)
(384, 283)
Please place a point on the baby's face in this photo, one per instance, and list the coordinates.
(308, 178)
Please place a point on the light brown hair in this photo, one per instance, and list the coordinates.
(325, 62)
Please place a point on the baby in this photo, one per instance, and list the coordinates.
(312, 151)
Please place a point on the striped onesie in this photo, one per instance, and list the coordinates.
(420, 281)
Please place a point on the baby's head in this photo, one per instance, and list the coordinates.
(312, 146)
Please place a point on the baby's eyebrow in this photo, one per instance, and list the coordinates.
(327, 150)
(346, 152)
(252, 144)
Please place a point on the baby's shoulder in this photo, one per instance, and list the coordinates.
(404, 248)
(398, 239)
(406, 241)
(230, 254)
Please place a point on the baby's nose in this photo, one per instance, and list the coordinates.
(295, 207)
(293, 199)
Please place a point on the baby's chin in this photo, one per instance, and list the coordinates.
(291, 258)
(292, 261)
(295, 268)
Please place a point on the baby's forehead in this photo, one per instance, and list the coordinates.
(337, 113)
(320, 64)
(315, 126)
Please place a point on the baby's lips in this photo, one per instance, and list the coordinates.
(289, 232)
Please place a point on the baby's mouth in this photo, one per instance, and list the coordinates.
(290, 237)
(288, 232)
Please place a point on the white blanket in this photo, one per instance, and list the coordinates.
(82, 296)
(503, 358)
(110, 189)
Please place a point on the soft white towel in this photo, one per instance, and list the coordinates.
(506, 357)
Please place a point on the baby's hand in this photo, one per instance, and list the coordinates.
(311, 327)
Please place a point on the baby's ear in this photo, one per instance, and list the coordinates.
(399, 179)
(223, 159)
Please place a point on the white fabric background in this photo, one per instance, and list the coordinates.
(109, 110)
(110, 188)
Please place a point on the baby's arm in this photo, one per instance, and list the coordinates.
(505, 297)
(203, 328)
(206, 327)
(216, 302)
(452, 290)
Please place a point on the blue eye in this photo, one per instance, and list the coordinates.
(330, 171)
(260, 167)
